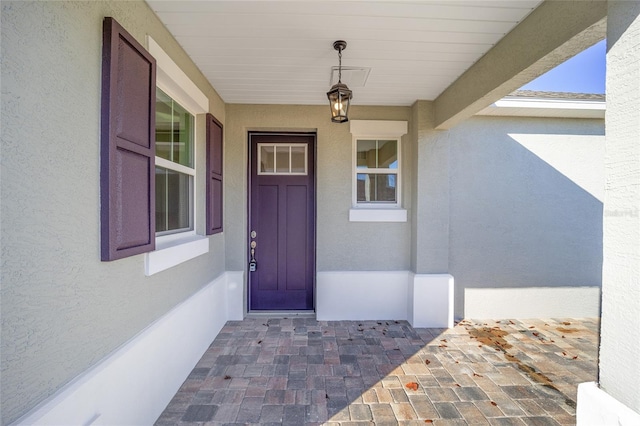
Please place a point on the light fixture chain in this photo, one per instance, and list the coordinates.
(339, 65)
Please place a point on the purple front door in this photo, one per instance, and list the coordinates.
(281, 221)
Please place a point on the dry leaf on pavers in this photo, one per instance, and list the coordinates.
(494, 404)
(227, 377)
(426, 361)
(476, 375)
(412, 385)
(566, 323)
(428, 421)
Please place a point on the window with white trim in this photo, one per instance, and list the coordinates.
(175, 168)
(180, 106)
(377, 171)
(377, 165)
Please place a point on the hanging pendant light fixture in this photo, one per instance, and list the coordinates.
(339, 95)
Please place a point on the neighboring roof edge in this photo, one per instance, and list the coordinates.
(556, 95)
(530, 103)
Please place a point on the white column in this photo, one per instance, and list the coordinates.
(617, 400)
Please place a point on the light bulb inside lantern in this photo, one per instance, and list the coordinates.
(338, 106)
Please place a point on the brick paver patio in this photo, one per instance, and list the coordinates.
(301, 371)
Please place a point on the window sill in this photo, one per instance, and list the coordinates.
(174, 251)
(377, 215)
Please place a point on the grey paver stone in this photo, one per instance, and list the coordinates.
(447, 410)
(360, 412)
(199, 413)
(540, 421)
(470, 393)
(271, 413)
(382, 413)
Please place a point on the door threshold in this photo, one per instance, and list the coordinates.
(281, 314)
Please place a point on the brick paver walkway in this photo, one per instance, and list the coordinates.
(301, 371)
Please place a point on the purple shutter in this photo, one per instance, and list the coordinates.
(127, 150)
(214, 175)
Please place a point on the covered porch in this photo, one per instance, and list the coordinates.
(490, 219)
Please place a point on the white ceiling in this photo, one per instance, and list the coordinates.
(281, 52)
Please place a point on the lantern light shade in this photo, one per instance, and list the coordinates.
(339, 95)
(339, 100)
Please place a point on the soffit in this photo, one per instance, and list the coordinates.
(270, 52)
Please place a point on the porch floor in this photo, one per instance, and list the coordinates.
(302, 371)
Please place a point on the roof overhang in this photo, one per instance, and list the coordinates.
(544, 107)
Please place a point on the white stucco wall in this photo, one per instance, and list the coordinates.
(620, 332)
(525, 213)
(63, 310)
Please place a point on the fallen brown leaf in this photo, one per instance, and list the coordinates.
(428, 421)
(566, 323)
(426, 361)
(412, 385)
(476, 375)
(575, 357)
(227, 377)
(494, 404)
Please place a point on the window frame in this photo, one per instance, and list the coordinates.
(376, 171)
(178, 247)
(177, 167)
(377, 211)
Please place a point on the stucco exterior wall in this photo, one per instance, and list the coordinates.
(620, 331)
(341, 245)
(431, 227)
(525, 208)
(62, 308)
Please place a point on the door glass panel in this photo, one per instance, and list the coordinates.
(298, 159)
(376, 188)
(282, 159)
(266, 159)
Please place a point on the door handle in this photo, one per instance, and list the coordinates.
(253, 265)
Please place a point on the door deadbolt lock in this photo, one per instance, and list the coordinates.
(253, 234)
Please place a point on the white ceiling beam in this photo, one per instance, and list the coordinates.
(551, 34)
